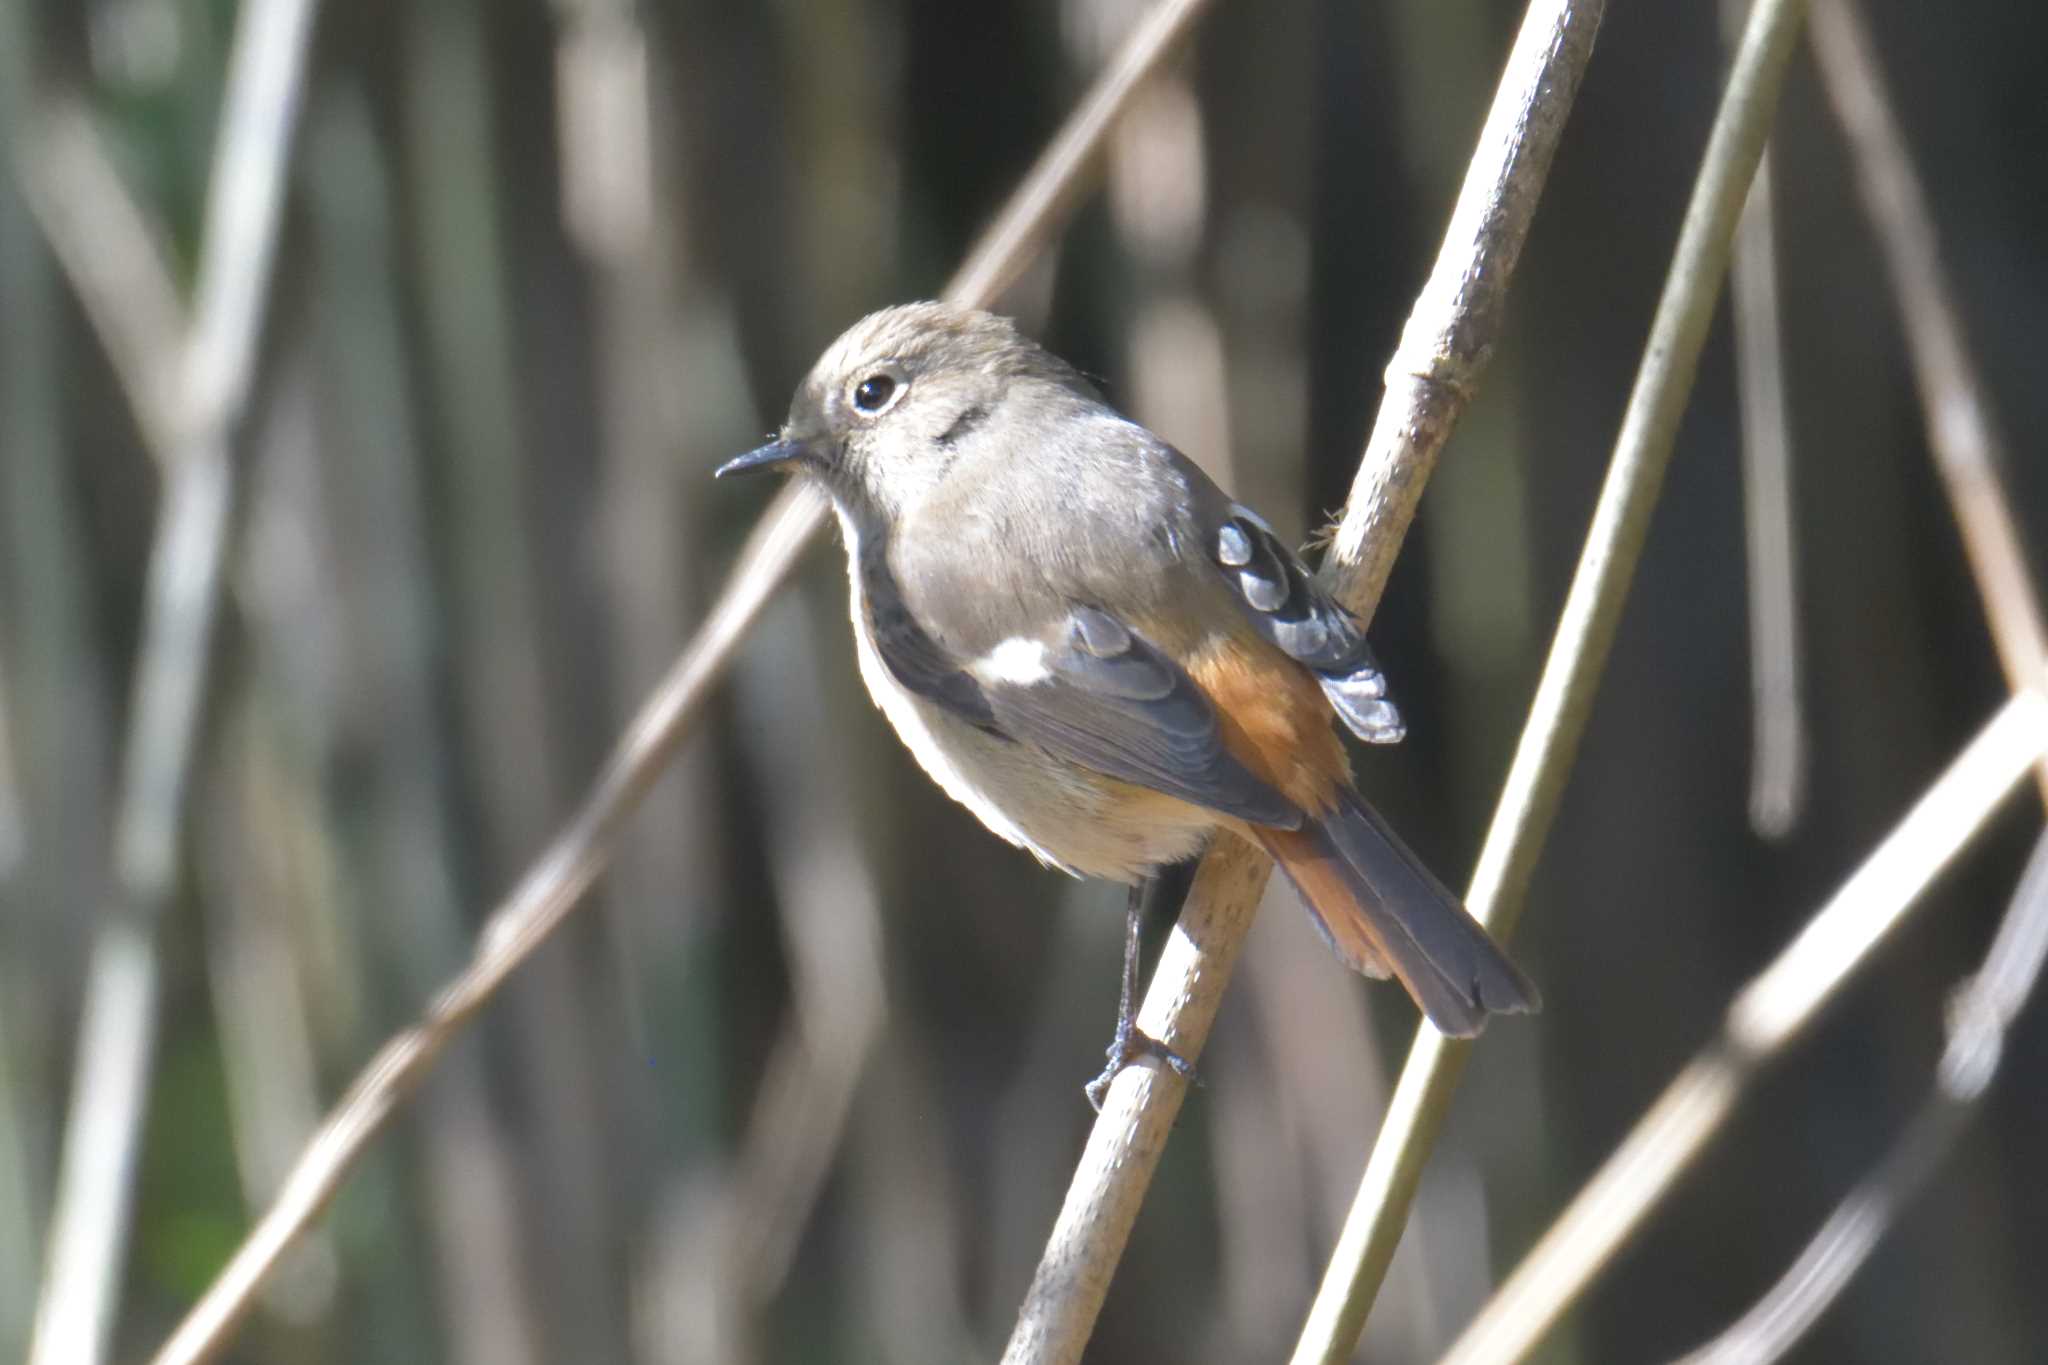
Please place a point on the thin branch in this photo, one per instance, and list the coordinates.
(89, 1222)
(1578, 656)
(1984, 1008)
(1446, 345)
(1968, 453)
(1778, 743)
(1457, 318)
(1761, 1022)
(1961, 433)
(1780, 1002)
(552, 886)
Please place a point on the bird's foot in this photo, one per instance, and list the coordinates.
(1131, 1045)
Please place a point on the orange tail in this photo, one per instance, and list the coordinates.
(1382, 911)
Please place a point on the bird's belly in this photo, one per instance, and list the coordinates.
(1066, 815)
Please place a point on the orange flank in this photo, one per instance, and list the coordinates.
(1274, 720)
(1380, 908)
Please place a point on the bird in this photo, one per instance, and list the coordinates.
(1105, 657)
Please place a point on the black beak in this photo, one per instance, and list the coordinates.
(771, 456)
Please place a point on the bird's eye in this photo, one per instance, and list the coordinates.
(873, 393)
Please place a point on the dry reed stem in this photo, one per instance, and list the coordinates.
(1982, 1011)
(117, 1027)
(1585, 633)
(1616, 1201)
(554, 884)
(1778, 743)
(1447, 342)
(1761, 1021)
(1964, 439)
(1968, 453)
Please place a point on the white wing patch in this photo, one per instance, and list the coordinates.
(1019, 661)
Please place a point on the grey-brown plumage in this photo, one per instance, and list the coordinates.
(1091, 646)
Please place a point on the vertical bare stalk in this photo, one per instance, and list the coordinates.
(1983, 1009)
(1578, 656)
(1761, 1022)
(1778, 745)
(1778, 1004)
(553, 885)
(89, 1223)
(1961, 432)
(1448, 340)
(1777, 763)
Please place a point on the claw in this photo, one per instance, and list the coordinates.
(1130, 1046)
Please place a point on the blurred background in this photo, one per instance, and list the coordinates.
(803, 1082)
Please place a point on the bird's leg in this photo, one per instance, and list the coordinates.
(1130, 1044)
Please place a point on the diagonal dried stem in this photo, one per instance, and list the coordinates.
(1770, 1012)
(1442, 352)
(553, 885)
(1578, 656)
(1968, 454)
(1983, 1010)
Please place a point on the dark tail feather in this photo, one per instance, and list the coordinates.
(1382, 910)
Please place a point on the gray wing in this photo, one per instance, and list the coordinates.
(1094, 694)
(1111, 701)
(1295, 615)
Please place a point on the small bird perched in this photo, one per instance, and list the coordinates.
(1088, 644)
